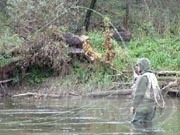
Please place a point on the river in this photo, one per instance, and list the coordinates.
(81, 116)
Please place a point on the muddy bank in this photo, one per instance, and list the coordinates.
(57, 87)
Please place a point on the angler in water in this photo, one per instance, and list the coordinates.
(146, 94)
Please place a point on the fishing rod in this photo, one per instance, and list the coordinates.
(103, 16)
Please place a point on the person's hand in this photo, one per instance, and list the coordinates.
(132, 110)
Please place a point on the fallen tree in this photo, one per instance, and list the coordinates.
(36, 95)
(93, 94)
(109, 93)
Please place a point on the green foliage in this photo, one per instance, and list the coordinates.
(98, 71)
(163, 53)
(8, 41)
(101, 74)
(97, 41)
(150, 22)
(37, 75)
(5, 60)
(81, 71)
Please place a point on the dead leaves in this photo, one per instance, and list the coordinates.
(110, 52)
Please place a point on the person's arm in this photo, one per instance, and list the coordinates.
(140, 91)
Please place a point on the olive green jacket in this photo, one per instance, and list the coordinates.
(140, 101)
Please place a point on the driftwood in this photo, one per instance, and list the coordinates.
(109, 93)
(37, 95)
(166, 89)
(93, 94)
(5, 81)
(171, 84)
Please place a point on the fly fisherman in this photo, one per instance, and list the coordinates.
(146, 94)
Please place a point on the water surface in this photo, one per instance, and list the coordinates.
(79, 116)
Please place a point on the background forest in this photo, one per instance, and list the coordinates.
(32, 47)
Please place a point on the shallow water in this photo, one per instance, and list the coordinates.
(76, 116)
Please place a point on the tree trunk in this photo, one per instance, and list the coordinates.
(88, 14)
(126, 19)
(3, 6)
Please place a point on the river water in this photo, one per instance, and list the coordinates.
(81, 116)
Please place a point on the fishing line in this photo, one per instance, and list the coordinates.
(123, 43)
(94, 104)
(103, 16)
(170, 114)
(131, 62)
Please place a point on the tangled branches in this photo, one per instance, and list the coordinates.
(50, 50)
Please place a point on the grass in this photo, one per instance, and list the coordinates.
(163, 53)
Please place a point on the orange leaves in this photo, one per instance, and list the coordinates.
(88, 50)
(110, 52)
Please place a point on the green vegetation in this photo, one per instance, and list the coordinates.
(155, 36)
(163, 53)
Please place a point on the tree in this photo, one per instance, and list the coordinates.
(3, 6)
(126, 19)
(88, 14)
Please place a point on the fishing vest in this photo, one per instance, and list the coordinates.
(153, 89)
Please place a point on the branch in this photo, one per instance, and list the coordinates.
(36, 95)
(5, 81)
(171, 84)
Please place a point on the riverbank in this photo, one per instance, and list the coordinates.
(58, 87)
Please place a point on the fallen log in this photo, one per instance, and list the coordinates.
(37, 95)
(168, 78)
(109, 93)
(175, 92)
(167, 73)
(93, 94)
(5, 81)
(171, 84)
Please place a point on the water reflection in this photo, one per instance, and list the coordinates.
(80, 116)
